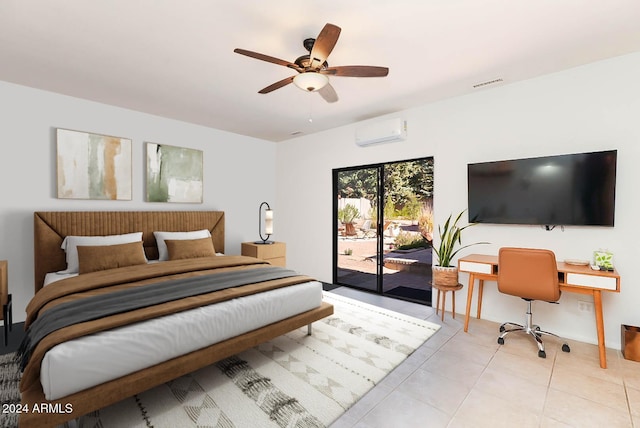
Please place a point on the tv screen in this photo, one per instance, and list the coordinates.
(575, 189)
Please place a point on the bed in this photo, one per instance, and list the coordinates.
(281, 301)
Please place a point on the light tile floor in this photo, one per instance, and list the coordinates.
(459, 379)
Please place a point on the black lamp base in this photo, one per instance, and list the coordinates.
(263, 242)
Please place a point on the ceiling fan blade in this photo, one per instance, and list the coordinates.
(356, 71)
(323, 45)
(328, 93)
(267, 58)
(276, 85)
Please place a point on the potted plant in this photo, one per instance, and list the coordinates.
(450, 236)
(347, 216)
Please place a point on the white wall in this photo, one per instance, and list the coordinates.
(233, 181)
(594, 107)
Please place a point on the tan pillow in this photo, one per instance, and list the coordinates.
(190, 248)
(103, 257)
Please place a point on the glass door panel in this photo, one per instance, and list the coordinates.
(407, 227)
(356, 227)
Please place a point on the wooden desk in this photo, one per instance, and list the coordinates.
(574, 279)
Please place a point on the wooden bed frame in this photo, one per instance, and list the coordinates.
(50, 228)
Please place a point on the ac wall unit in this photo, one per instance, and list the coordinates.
(384, 131)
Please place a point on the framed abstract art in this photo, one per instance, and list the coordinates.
(174, 174)
(93, 166)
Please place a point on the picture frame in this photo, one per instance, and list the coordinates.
(93, 166)
(174, 174)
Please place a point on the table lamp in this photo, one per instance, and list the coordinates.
(268, 224)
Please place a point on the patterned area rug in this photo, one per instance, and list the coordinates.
(9, 392)
(292, 381)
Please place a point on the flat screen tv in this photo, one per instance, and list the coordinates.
(575, 189)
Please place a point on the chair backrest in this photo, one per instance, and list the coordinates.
(528, 273)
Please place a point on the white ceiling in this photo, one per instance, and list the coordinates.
(174, 58)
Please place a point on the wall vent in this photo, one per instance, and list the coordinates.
(488, 82)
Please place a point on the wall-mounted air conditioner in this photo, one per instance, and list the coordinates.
(384, 131)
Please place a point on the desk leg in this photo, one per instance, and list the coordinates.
(597, 300)
(480, 291)
(472, 279)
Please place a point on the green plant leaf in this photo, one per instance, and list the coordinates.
(450, 236)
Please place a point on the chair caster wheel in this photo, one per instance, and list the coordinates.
(542, 354)
(502, 329)
(501, 341)
(565, 348)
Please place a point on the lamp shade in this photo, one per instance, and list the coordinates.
(268, 223)
(310, 81)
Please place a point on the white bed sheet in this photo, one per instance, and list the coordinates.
(88, 361)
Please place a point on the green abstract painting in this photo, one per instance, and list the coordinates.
(174, 174)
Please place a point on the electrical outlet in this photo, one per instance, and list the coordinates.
(585, 306)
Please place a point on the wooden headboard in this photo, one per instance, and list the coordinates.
(51, 227)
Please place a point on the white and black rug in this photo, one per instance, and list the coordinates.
(9, 392)
(294, 380)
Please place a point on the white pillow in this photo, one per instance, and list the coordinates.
(163, 253)
(71, 243)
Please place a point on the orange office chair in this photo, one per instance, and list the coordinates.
(530, 274)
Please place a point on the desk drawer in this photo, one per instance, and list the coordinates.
(475, 267)
(591, 281)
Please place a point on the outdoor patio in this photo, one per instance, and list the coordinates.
(408, 272)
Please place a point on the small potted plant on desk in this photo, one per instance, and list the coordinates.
(444, 273)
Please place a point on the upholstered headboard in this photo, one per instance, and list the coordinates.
(51, 227)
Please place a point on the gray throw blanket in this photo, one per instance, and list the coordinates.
(95, 307)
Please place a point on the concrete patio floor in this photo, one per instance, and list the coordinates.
(411, 269)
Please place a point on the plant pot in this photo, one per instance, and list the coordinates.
(349, 229)
(445, 275)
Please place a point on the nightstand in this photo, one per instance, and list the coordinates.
(275, 253)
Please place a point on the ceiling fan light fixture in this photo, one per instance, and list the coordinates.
(310, 81)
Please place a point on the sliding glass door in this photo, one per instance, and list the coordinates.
(382, 228)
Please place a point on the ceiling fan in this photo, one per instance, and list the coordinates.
(313, 68)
